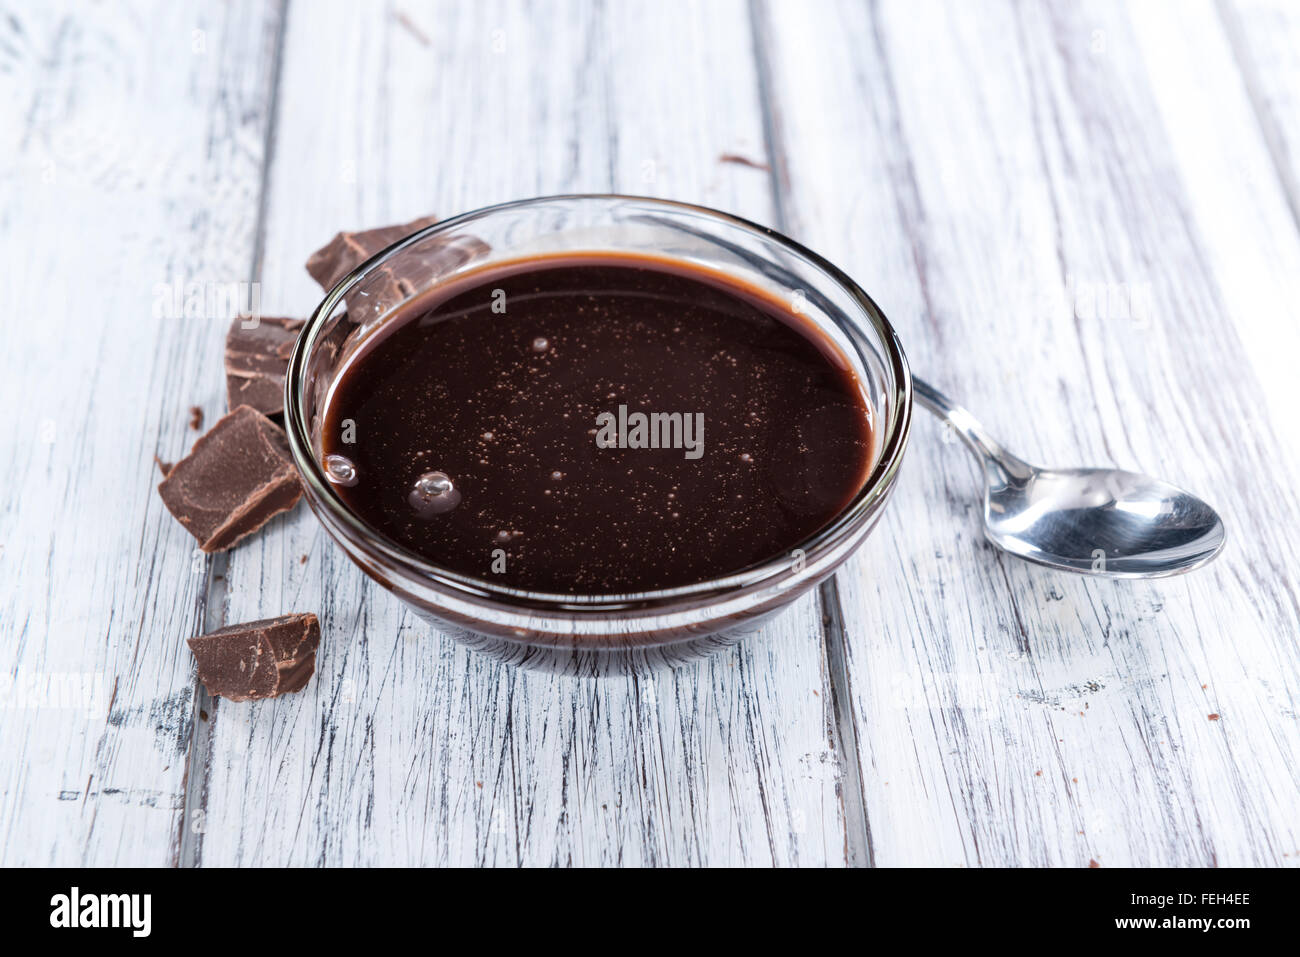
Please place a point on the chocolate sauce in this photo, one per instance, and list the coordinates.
(597, 424)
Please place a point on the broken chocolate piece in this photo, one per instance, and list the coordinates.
(392, 284)
(238, 475)
(258, 659)
(346, 251)
(257, 359)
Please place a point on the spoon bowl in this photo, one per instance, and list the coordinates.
(1104, 522)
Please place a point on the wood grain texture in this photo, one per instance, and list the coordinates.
(407, 749)
(1081, 218)
(132, 158)
(1006, 714)
(1264, 36)
(1226, 82)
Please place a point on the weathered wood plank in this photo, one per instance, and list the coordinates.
(406, 749)
(1006, 714)
(1224, 81)
(132, 159)
(1264, 36)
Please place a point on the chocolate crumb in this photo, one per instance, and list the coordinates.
(739, 160)
(1214, 717)
(1092, 863)
(303, 560)
(163, 467)
(196, 417)
(402, 18)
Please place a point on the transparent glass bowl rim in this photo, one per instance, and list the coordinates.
(876, 486)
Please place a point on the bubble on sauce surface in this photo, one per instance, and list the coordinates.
(434, 494)
(541, 344)
(340, 470)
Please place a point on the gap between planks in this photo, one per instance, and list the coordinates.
(842, 726)
(212, 605)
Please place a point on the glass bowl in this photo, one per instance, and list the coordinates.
(599, 634)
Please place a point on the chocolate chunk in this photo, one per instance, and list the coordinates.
(258, 659)
(390, 285)
(237, 476)
(257, 359)
(346, 251)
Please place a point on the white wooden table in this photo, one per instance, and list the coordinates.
(1083, 221)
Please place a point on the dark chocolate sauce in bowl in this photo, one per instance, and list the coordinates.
(597, 424)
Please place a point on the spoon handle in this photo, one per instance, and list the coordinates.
(999, 464)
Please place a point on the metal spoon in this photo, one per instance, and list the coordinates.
(1104, 522)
